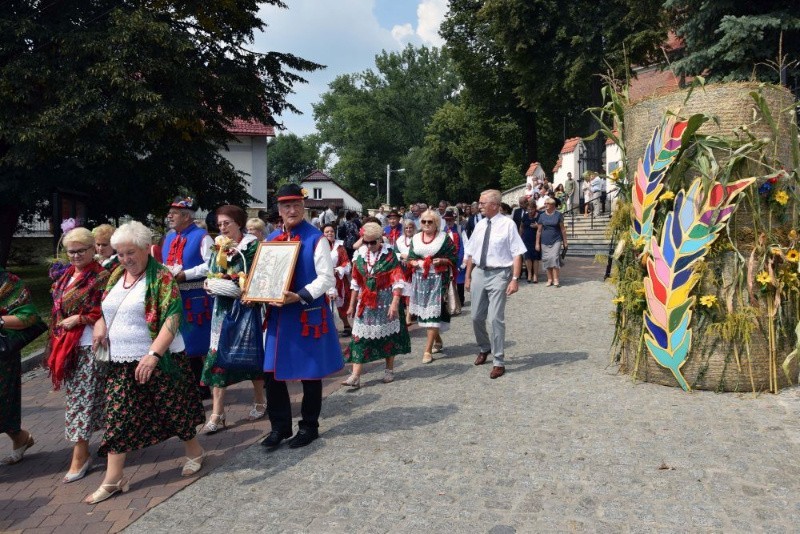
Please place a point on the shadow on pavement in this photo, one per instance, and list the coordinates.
(393, 419)
(531, 361)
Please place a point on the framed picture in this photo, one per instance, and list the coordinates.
(271, 272)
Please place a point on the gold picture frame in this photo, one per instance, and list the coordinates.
(271, 272)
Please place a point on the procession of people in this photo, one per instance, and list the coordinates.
(138, 339)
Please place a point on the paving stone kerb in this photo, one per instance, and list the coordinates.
(560, 443)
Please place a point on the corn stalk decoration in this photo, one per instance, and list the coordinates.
(661, 151)
(688, 232)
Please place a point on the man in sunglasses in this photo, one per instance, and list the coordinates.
(494, 262)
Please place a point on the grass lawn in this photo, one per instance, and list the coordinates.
(35, 277)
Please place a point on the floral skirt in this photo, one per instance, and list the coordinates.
(375, 336)
(11, 393)
(213, 375)
(140, 415)
(428, 302)
(84, 395)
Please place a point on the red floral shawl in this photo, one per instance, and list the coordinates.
(81, 298)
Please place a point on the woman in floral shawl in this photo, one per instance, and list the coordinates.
(226, 259)
(16, 313)
(76, 307)
(433, 257)
(379, 327)
(150, 393)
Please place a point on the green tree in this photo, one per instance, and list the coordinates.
(291, 158)
(129, 100)
(737, 39)
(464, 153)
(549, 54)
(374, 118)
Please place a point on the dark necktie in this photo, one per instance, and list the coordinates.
(485, 247)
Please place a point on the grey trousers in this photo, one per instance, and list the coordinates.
(488, 293)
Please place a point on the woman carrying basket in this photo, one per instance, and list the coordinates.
(232, 254)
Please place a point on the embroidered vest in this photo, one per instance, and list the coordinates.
(302, 342)
(184, 249)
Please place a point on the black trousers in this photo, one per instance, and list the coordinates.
(279, 408)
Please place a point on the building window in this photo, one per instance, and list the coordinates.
(317, 193)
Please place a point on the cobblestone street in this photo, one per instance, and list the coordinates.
(560, 443)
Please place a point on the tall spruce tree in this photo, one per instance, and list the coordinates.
(738, 39)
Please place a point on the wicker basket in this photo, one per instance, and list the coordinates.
(222, 287)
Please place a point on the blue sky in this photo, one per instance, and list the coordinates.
(344, 35)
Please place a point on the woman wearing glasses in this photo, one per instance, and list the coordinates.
(379, 328)
(433, 257)
(76, 307)
(237, 248)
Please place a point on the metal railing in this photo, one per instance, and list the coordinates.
(571, 212)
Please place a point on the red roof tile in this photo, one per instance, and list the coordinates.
(251, 127)
(558, 165)
(569, 145)
(317, 176)
(532, 169)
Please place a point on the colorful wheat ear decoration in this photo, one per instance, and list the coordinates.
(690, 229)
(647, 182)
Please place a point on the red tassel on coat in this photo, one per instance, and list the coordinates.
(199, 319)
(316, 332)
(304, 317)
(187, 304)
(305, 331)
(189, 318)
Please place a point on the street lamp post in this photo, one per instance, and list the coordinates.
(389, 172)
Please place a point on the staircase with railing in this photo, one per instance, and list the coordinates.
(587, 234)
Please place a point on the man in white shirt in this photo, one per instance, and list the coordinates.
(307, 348)
(494, 263)
(597, 188)
(329, 215)
(186, 251)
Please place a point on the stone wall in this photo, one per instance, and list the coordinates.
(730, 103)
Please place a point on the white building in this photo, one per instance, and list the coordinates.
(248, 154)
(324, 191)
(569, 160)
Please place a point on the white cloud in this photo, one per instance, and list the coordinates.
(430, 14)
(345, 36)
(402, 33)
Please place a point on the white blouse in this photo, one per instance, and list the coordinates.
(128, 334)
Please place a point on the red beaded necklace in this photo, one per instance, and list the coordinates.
(427, 242)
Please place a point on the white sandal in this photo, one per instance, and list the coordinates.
(213, 425)
(258, 411)
(193, 465)
(16, 455)
(102, 493)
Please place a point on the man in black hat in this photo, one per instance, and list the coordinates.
(307, 348)
(186, 251)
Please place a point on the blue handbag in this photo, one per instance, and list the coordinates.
(241, 345)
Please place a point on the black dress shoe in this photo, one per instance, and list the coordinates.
(304, 437)
(274, 439)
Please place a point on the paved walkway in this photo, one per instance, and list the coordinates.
(560, 443)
